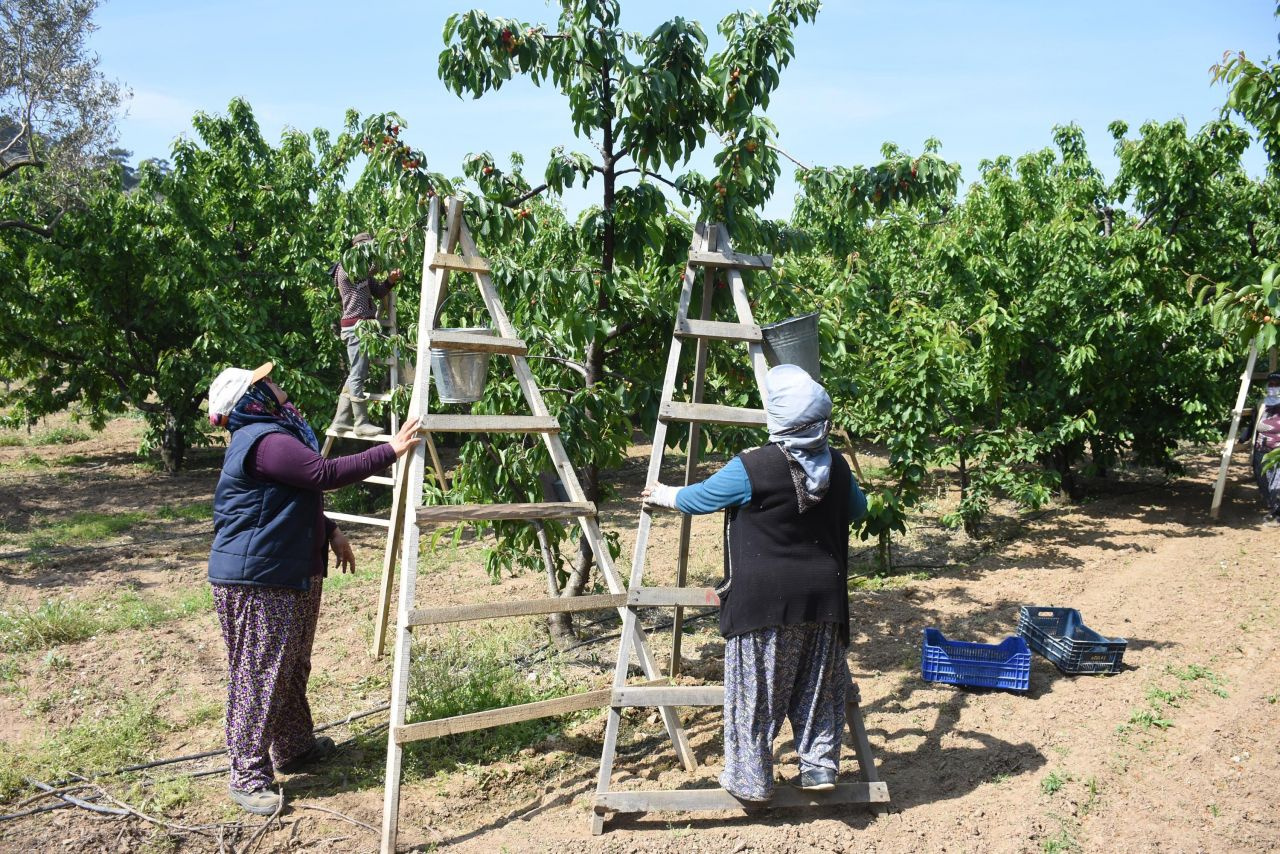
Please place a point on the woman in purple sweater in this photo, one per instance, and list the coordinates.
(267, 564)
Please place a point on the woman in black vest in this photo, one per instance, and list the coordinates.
(784, 602)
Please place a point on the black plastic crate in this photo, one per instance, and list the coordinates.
(1060, 635)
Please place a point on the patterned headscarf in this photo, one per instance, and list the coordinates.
(798, 412)
(258, 405)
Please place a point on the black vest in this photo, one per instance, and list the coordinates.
(782, 567)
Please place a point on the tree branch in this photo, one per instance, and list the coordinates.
(521, 199)
(773, 147)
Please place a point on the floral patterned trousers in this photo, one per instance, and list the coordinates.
(794, 672)
(269, 632)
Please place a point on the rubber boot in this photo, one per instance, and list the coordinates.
(342, 418)
(364, 427)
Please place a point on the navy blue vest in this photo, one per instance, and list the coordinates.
(263, 532)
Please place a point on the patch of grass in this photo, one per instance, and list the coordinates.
(28, 461)
(61, 436)
(71, 460)
(201, 511)
(102, 740)
(871, 581)
(59, 621)
(206, 712)
(10, 673)
(1091, 789)
(90, 527)
(12, 440)
(462, 672)
(1213, 810)
(163, 796)
(1053, 782)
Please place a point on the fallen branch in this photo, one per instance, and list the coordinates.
(354, 821)
(45, 787)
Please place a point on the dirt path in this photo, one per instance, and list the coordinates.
(1176, 753)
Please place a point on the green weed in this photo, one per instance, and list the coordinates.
(1157, 695)
(90, 527)
(1213, 810)
(1196, 673)
(1145, 719)
(12, 440)
(1053, 782)
(28, 461)
(1062, 843)
(871, 581)
(71, 460)
(1091, 789)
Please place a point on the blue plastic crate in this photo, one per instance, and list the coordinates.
(1004, 665)
(1060, 635)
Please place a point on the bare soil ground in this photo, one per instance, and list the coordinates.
(1177, 753)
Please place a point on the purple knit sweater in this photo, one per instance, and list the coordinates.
(284, 459)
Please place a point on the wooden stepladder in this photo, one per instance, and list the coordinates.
(455, 251)
(711, 252)
(1247, 378)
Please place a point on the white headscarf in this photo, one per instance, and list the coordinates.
(798, 414)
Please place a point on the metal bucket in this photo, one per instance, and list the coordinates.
(460, 374)
(793, 341)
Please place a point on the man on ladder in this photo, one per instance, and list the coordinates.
(357, 307)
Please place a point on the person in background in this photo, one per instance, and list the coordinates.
(267, 565)
(357, 307)
(1266, 438)
(784, 601)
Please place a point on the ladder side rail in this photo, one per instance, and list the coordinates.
(1229, 446)
(691, 460)
(414, 473)
(738, 290)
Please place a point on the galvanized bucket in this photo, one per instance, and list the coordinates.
(793, 341)
(460, 374)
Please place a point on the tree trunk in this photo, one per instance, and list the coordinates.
(559, 626)
(173, 443)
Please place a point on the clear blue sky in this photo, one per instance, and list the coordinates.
(986, 77)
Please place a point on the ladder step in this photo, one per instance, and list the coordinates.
(379, 396)
(711, 413)
(449, 340)
(692, 597)
(351, 434)
(718, 330)
(381, 480)
(719, 799)
(729, 260)
(669, 695)
(485, 512)
(527, 608)
(359, 520)
(489, 424)
(447, 261)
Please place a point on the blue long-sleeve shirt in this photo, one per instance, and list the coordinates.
(730, 487)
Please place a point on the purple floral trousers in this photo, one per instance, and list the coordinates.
(269, 632)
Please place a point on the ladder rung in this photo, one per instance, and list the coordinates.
(711, 413)
(730, 260)
(528, 608)
(359, 520)
(448, 340)
(490, 424)
(487, 512)
(447, 261)
(692, 597)
(719, 330)
(718, 799)
(351, 434)
(669, 695)
(380, 479)
(379, 396)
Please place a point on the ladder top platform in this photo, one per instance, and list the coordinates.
(489, 424)
(351, 434)
(444, 339)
